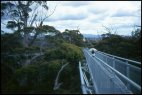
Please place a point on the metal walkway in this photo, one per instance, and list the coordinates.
(109, 74)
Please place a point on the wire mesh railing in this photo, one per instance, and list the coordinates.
(111, 75)
(104, 81)
(124, 67)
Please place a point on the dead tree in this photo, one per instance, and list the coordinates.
(57, 84)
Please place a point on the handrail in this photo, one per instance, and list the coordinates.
(127, 79)
(82, 80)
(130, 65)
(139, 63)
(137, 86)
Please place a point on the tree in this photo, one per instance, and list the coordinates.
(23, 16)
(123, 46)
(43, 29)
(39, 75)
(73, 37)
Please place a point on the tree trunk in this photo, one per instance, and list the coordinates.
(25, 19)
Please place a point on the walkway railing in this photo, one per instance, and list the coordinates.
(110, 75)
(126, 67)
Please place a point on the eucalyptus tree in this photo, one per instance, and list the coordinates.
(73, 36)
(23, 15)
(24, 18)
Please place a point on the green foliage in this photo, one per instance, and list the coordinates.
(11, 24)
(50, 29)
(39, 76)
(124, 46)
(27, 76)
(10, 41)
(136, 34)
(6, 75)
(73, 37)
(71, 52)
(4, 6)
(23, 80)
(67, 51)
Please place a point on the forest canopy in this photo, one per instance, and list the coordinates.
(37, 58)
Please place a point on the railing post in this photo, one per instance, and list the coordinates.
(106, 59)
(128, 73)
(113, 64)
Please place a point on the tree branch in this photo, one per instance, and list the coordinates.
(33, 20)
(57, 84)
(34, 57)
(50, 14)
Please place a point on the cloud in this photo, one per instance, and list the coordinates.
(124, 12)
(91, 15)
(98, 18)
(75, 3)
(69, 13)
(96, 10)
(68, 17)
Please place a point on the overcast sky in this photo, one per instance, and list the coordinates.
(90, 16)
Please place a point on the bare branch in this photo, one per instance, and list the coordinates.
(33, 20)
(57, 84)
(51, 13)
(32, 16)
(107, 29)
(78, 27)
(36, 24)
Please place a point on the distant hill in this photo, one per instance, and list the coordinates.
(91, 36)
